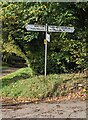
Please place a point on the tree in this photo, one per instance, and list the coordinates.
(66, 51)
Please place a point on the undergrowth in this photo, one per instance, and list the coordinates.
(23, 83)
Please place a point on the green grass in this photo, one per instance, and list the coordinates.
(1, 67)
(24, 83)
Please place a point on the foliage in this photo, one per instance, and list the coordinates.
(37, 87)
(21, 73)
(66, 51)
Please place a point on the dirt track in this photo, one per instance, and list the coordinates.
(6, 71)
(65, 109)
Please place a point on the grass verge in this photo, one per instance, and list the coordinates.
(23, 83)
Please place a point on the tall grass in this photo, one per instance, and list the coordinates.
(23, 83)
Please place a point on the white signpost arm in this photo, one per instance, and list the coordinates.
(46, 52)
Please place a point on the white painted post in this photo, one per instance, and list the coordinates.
(51, 28)
(46, 53)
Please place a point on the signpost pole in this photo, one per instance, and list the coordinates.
(46, 52)
(50, 28)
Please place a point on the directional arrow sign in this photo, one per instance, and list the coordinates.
(60, 29)
(32, 27)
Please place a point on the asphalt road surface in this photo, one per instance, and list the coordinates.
(64, 109)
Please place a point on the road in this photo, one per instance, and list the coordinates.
(5, 71)
(64, 109)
